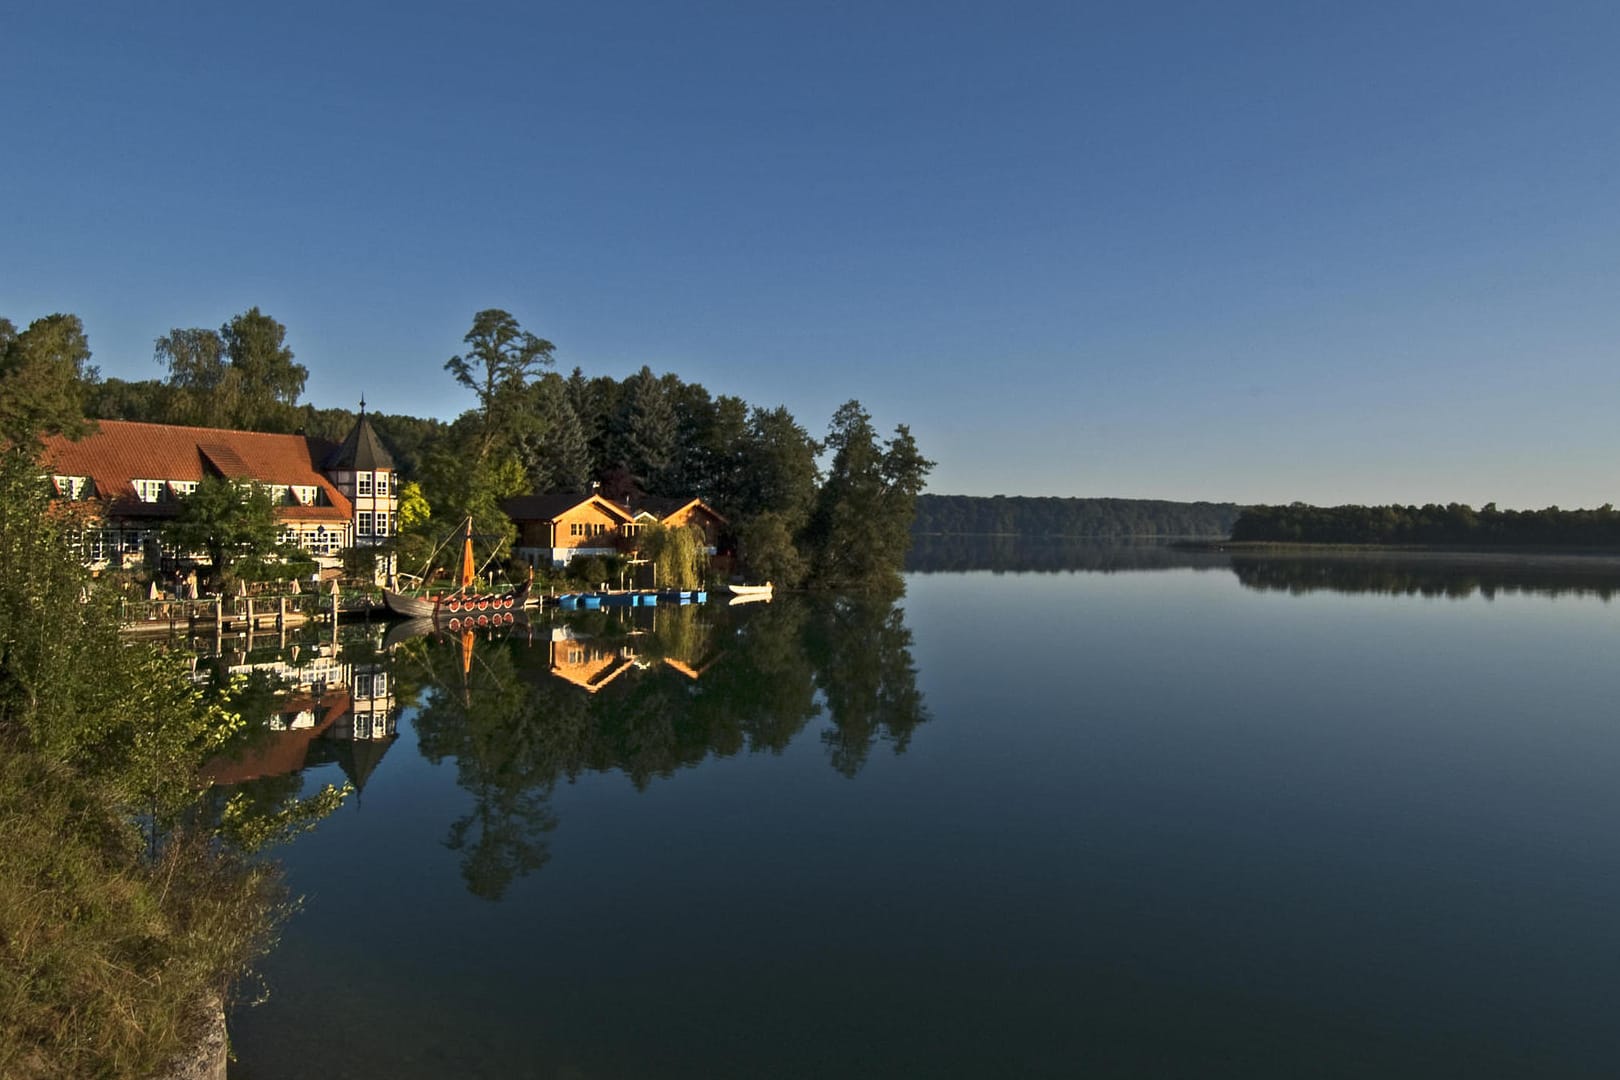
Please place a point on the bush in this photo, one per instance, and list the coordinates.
(108, 954)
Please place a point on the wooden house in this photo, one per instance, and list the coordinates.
(553, 530)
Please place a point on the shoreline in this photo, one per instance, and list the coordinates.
(1469, 553)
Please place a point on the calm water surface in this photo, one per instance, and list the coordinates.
(1263, 819)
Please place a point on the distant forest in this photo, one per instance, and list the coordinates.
(1113, 519)
(1453, 524)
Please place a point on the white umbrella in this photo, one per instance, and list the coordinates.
(295, 586)
(152, 593)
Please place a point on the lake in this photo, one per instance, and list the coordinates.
(1166, 815)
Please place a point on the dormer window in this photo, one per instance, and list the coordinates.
(182, 488)
(70, 487)
(148, 491)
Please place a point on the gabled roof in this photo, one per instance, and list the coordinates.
(122, 451)
(362, 449)
(553, 506)
(664, 507)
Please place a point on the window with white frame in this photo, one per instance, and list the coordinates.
(382, 483)
(148, 491)
(69, 487)
(382, 523)
(362, 483)
(318, 541)
(362, 523)
(182, 488)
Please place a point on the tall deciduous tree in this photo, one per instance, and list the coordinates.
(227, 521)
(45, 374)
(267, 380)
(501, 358)
(240, 376)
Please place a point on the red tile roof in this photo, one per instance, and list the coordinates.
(123, 451)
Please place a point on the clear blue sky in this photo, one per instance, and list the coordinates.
(1261, 252)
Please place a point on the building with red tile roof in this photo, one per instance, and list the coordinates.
(130, 478)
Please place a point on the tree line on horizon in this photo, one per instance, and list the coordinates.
(833, 512)
(1108, 519)
(1453, 524)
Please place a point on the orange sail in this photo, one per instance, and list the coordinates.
(467, 559)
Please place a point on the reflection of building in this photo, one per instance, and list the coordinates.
(371, 716)
(300, 719)
(348, 706)
(587, 663)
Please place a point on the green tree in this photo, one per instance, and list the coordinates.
(267, 381)
(556, 454)
(501, 358)
(199, 376)
(781, 475)
(148, 401)
(646, 433)
(455, 487)
(862, 524)
(678, 555)
(240, 376)
(45, 375)
(226, 520)
(769, 552)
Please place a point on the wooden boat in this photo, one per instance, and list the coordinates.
(758, 592)
(461, 607)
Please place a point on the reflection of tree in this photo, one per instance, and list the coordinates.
(1450, 576)
(705, 683)
(862, 652)
(497, 736)
(1049, 554)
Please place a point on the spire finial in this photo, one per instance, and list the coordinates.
(362, 404)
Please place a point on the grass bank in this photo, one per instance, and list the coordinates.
(106, 949)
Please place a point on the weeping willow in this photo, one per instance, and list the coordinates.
(678, 555)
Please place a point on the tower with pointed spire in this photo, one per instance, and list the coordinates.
(363, 469)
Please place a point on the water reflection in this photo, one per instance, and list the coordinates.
(308, 703)
(648, 693)
(644, 693)
(1455, 575)
(1049, 555)
(1451, 576)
